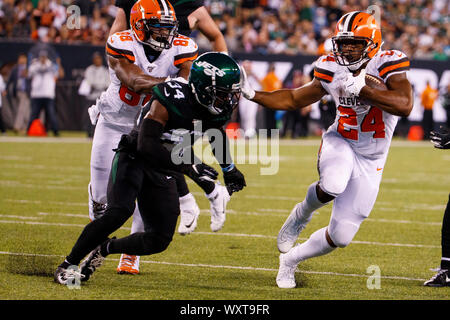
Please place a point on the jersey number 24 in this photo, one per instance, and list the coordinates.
(372, 122)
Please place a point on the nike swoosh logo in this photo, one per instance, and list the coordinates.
(379, 169)
(190, 224)
(166, 93)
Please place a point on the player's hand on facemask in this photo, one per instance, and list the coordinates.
(246, 89)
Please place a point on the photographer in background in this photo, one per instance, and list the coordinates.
(96, 80)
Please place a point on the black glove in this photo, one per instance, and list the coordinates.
(234, 180)
(128, 142)
(441, 140)
(200, 171)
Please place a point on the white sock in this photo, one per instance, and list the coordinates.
(306, 208)
(137, 225)
(187, 200)
(316, 245)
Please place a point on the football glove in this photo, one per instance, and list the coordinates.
(201, 171)
(353, 85)
(246, 89)
(128, 142)
(234, 180)
(176, 78)
(441, 140)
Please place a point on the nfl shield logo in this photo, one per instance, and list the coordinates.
(150, 68)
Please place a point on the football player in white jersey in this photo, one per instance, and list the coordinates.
(355, 147)
(138, 59)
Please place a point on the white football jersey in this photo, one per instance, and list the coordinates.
(119, 104)
(367, 128)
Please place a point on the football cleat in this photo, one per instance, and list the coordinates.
(67, 275)
(189, 212)
(290, 231)
(93, 261)
(218, 204)
(128, 264)
(286, 274)
(440, 279)
(188, 221)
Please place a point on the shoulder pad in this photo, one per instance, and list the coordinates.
(388, 62)
(324, 68)
(172, 95)
(185, 50)
(120, 45)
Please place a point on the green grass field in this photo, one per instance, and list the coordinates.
(43, 208)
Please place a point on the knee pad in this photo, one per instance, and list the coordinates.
(333, 185)
(342, 232)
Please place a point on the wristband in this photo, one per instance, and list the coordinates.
(229, 168)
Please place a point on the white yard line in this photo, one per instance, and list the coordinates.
(221, 234)
(212, 266)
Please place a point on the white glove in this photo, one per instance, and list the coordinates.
(179, 79)
(246, 89)
(353, 85)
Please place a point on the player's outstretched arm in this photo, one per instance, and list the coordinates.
(132, 76)
(398, 100)
(291, 99)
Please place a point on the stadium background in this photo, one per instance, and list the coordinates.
(290, 33)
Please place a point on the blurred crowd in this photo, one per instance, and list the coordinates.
(420, 28)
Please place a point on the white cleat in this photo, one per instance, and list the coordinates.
(188, 220)
(290, 231)
(286, 274)
(218, 206)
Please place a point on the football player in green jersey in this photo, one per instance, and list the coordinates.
(143, 166)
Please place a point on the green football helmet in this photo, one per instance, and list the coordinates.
(215, 81)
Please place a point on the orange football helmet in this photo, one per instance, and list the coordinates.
(353, 30)
(154, 23)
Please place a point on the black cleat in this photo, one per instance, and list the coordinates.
(91, 263)
(440, 279)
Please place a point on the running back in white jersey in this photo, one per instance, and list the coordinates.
(119, 104)
(367, 128)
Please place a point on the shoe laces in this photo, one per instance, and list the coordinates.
(439, 274)
(286, 271)
(96, 261)
(71, 274)
(128, 261)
